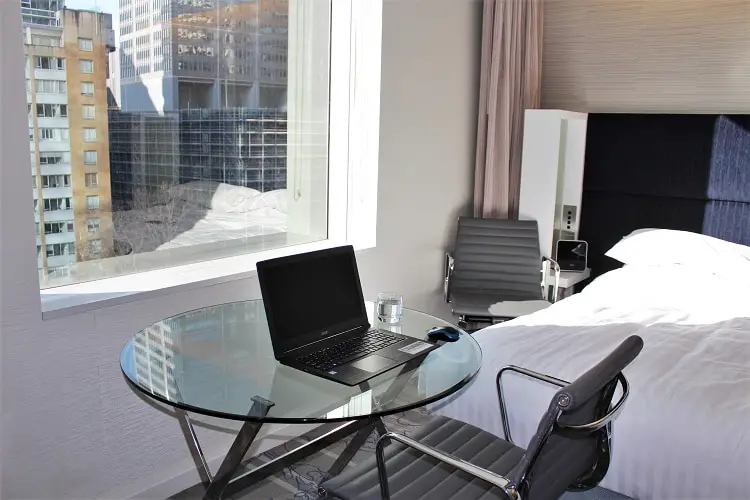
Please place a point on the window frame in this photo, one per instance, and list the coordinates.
(88, 94)
(86, 134)
(89, 47)
(354, 90)
(94, 153)
(89, 206)
(81, 64)
(96, 179)
(93, 111)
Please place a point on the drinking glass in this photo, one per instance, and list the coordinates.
(389, 307)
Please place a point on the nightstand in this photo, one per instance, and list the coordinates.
(568, 279)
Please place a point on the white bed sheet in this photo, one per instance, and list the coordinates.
(190, 220)
(684, 432)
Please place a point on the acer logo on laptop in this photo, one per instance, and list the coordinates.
(324, 333)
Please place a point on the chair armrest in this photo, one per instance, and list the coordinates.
(523, 371)
(606, 419)
(495, 479)
(556, 269)
(448, 271)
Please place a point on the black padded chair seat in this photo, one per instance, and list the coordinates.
(478, 305)
(412, 475)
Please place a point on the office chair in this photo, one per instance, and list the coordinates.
(496, 271)
(449, 459)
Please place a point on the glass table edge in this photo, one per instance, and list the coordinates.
(304, 420)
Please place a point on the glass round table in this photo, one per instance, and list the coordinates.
(218, 361)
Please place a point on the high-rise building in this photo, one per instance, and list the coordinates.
(41, 12)
(180, 54)
(238, 146)
(66, 93)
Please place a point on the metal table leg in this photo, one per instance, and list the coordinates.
(359, 439)
(237, 451)
(195, 447)
(223, 485)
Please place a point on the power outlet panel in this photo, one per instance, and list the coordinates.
(569, 217)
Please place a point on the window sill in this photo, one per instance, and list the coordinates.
(67, 300)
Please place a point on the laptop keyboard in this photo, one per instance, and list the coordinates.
(349, 350)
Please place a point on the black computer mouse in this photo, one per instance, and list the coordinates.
(446, 333)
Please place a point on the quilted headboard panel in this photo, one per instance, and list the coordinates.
(689, 172)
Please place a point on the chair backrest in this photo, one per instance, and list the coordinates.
(499, 257)
(560, 457)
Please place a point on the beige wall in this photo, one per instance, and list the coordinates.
(88, 25)
(690, 56)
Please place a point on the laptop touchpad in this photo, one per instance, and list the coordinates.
(373, 363)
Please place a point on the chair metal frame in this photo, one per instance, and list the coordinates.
(602, 425)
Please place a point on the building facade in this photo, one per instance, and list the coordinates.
(66, 71)
(180, 54)
(238, 146)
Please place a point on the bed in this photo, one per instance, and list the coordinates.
(685, 432)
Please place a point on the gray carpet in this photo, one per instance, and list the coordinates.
(300, 481)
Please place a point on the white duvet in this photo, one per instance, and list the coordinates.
(198, 213)
(685, 431)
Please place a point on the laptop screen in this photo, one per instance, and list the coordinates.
(311, 296)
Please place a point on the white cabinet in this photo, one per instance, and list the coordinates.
(554, 144)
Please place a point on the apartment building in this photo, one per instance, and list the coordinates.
(66, 72)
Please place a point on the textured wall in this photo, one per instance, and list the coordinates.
(690, 56)
(71, 428)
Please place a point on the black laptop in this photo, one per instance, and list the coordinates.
(317, 320)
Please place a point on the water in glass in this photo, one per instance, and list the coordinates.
(389, 308)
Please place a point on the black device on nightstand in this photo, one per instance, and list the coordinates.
(571, 254)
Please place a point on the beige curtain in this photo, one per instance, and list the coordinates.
(511, 81)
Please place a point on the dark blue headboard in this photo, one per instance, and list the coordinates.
(689, 172)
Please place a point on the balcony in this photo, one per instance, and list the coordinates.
(57, 192)
(47, 145)
(58, 216)
(59, 238)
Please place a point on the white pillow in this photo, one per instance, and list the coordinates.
(276, 199)
(660, 247)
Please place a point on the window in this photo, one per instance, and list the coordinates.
(89, 134)
(92, 203)
(55, 204)
(53, 158)
(92, 224)
(46, 40)
(52, 110)
(58, 227)
(50, 86)
(55, 181)
(54, 134)
(46, 62)
(172, 151)
(95, 247)
(89, 157)
(59, 249)
(87, 88)
(86, 44)
(86, 66)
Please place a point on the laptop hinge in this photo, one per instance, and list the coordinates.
(364, 327)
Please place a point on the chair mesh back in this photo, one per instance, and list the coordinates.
(498, 257)
(557, 459)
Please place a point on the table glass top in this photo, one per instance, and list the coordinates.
(218, 360)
